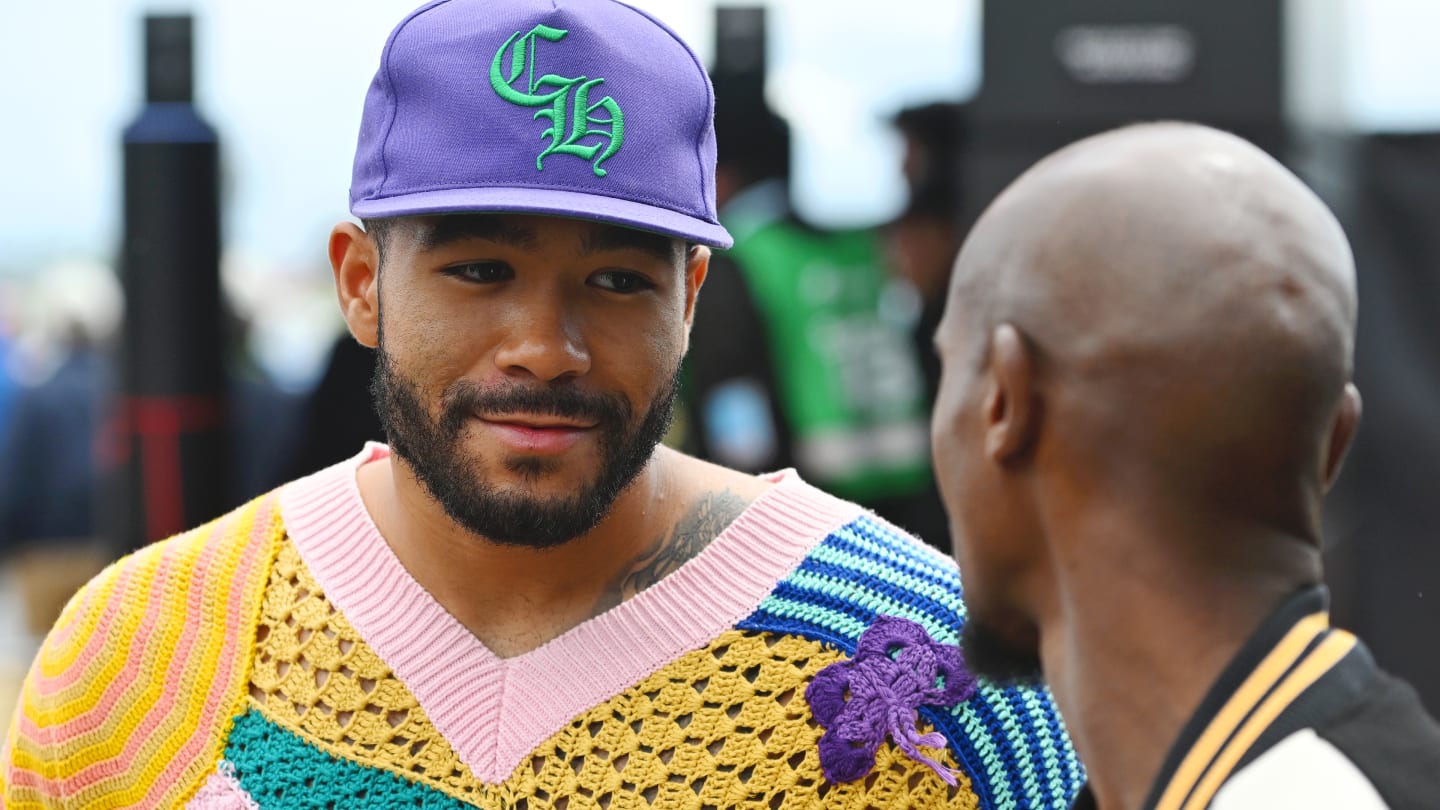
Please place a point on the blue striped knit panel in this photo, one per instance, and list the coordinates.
(1011, 741)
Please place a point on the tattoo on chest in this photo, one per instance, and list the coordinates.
(704, 521)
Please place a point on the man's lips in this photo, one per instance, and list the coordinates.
(536, 422)
(535, 435)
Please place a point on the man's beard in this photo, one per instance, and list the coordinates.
(432, 448)
(990, 655)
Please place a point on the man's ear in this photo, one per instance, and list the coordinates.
(1012, 406)
(697, 266)
(355, 259)
(1342, 432)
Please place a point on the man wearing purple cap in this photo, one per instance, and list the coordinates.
(525, 600)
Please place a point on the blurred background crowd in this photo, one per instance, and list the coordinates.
(170, 346)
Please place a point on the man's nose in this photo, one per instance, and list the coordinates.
(543, 341)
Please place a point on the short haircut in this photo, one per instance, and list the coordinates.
(381, 231)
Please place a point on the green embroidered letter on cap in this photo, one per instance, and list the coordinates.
(568, 101)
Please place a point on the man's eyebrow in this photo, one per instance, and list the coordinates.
(441, 231)
(610, 237)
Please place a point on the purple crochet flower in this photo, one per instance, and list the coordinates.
(897, 668)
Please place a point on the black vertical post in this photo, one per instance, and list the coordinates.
(168, 454)
(740, 46)
(747, 130)
(739, 68)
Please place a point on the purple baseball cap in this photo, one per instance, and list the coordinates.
(588, 109)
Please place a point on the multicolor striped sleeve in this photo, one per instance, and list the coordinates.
(131, 696)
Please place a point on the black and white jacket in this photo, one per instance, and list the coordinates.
(1302, 717)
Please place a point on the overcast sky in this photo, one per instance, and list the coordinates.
(283, 80)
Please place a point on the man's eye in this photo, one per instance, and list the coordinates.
(481, 272)
(622, 282)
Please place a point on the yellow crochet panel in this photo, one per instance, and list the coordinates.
(724, 726)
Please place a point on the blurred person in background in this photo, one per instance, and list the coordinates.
(9, 291)
(526, 599)
(1148, 354)
(803, 355)
(16, 640)
(331, 421)
(53, 447)
(49, 468)
(264, 419)
(53, 467)
(923, 241)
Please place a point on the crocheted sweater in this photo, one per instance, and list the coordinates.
(282, 657)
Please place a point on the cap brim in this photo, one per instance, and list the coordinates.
(553, 202)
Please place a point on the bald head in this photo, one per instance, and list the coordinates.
(1147, 236)
(1190, 308)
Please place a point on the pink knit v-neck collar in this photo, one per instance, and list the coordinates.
(495, 711)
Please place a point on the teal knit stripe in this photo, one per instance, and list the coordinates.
(833, 621)
(1027, 716)
(281, 771)
(893, 548)
(936, 591)
(1016, 728)
(1061, 765)
(875, 601)
(975, 730)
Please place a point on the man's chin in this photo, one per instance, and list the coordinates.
(532, 469)
(525, 515)
(543, 476)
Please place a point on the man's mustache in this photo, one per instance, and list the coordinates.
(465, 399)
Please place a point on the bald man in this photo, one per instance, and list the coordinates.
(1146, 393)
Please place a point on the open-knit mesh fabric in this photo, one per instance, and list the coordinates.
(313, 675)
(724, 726)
